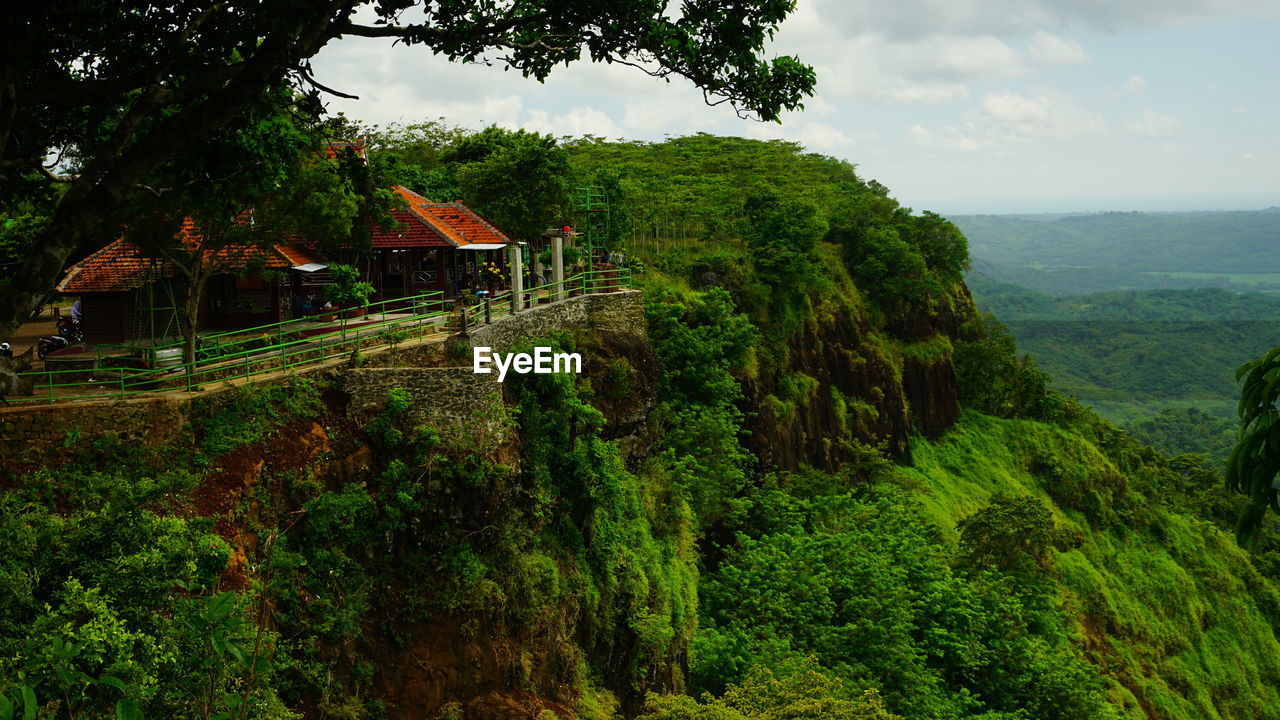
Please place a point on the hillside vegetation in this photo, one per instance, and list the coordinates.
(1161, 362)
(1211, 242)
(764, 501)
(1084, 253)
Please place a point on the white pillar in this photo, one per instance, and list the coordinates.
(557, 267)
(517, 278)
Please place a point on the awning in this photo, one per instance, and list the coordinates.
(310, 267)
(483, 246)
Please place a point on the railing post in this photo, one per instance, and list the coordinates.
(488, 311)
(517, 279)
(463, 315)
(121, 383)
(557, 267)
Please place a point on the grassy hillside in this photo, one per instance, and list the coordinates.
(1164, 603)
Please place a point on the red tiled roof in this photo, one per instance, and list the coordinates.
(334, 147)
(453, 222)
(122, 266)
(295, 255)
(421, 223)
(409, 231)
(117, 267)
(467, 224)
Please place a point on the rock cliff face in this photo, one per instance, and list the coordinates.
(850, 379)
(858, 383)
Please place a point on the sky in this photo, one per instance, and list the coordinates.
(958, 106)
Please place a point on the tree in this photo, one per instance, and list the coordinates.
(1254, 463)
(782, 235)
(518, 180)
(763, 695)
(115, 91)
(1011, 534)
(237, 193)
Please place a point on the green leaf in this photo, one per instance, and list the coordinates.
(6, 707)
(113, 681)
(128, 710)
(28, 703)
(222, 605)
(236, 652)
(262, 665)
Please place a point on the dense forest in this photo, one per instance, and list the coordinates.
(1085, 253)
(1160, 362)
(816, 484)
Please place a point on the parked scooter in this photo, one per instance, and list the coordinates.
(68, 334)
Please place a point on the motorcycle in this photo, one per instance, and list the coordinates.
(68, 334)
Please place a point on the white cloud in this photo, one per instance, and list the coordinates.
(1049, 49)
(1009, 117)
(908, 19)
(1153, 125)
(818, 136)
(931, 70)
(970, 57)
(1133, 85)
(577, 121)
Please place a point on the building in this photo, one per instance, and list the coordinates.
(434, 246)
(128, 297)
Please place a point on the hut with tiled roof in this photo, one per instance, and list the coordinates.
(127, 295)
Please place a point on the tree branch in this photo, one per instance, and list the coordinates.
(305, 73)
(55, 177)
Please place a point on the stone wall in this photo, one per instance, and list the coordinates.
(27, 434)
(621, 312)
(466, 408)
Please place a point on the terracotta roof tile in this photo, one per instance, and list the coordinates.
(410, 230)
(453, 221)
(295, 255)
(121, 266)
(466, 224)
(117, 267)
(334, 147)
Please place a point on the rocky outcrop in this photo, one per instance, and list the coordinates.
(857, 386)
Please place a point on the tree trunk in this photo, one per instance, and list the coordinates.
(196, 282)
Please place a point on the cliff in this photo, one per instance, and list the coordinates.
(717, 503)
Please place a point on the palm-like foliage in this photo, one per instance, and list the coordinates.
(1253, 464)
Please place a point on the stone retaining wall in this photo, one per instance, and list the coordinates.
(621, 312)
(466, 408)
(28, 433)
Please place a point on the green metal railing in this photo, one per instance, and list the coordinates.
(416, 318)
(214, 345)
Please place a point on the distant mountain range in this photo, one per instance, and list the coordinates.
(1075, 254)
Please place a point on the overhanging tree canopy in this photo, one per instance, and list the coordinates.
(114, 90)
